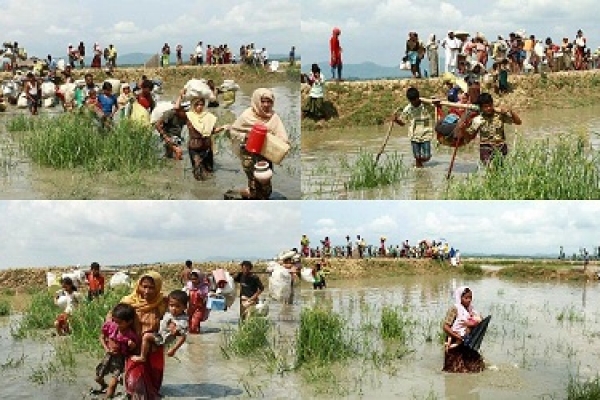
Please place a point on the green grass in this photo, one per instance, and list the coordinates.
(4, 307)
(252, 337)
(8, 292)
(321, 338)
(74, 140)
(588, 390)
(39, 314)
(365, 173)
(564, 170)
(393, 324)
(471, 269)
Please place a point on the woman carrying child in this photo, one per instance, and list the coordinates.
(460, 318)
(144, 379)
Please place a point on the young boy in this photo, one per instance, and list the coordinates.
(421, 118)
(108, 103)
(95, 281)
(489, 125)
(174, 325)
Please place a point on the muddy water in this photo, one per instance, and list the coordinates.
(20, 179)
(323, 178)
(528, 349)
(199, 370)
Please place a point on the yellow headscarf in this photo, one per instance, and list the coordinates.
(255, 113)
(203, 122)
(144, 305)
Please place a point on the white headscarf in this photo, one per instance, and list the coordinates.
(463, 313)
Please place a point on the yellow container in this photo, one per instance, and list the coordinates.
(274, 149)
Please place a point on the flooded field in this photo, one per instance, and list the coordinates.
(540, 334)
(326, 152)
(20, 179)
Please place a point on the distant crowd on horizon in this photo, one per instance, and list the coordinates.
(76, 56)
(358, 248)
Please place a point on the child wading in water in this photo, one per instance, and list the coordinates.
(119, 340)
(174, 324)
(67, 298)
(420, 116)
(466, 318)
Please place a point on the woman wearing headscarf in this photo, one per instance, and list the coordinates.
(201, 125)
(335, 52)
(432, 56)
(260, 111)
(143, 380)
(197, 289)
(459, 357)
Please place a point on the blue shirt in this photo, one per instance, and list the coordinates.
(453, 94)
(107, 103)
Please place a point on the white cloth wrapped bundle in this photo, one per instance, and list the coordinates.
(163, 110)
(120, 279)
(196, 88)
(48, 90)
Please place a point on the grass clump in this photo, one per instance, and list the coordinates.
(252, 337)
(365, 173)
(4, 307)
(321, 337)
(393, 324)
(40, 314)
(75, 140)
(472, 269)
(560, 171)
(20, 123)
(587, 390)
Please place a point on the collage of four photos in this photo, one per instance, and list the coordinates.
(299, 200)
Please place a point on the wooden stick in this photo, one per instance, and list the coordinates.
(451, 104)
(387, 137)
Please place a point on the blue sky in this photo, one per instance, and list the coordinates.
(376, 30)
(48, 26)
(500, 227)
(44, 233)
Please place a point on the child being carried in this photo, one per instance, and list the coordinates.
(174, 325)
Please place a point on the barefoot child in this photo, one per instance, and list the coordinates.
(420, 116)
(119, 339)
(174, 324)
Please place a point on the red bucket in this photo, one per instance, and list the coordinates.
(256, 138)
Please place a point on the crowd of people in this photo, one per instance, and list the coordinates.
(148, 322)
(358, 248)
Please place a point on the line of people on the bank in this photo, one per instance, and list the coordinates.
(360, 249)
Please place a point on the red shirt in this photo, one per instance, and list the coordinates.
(335, 50)
(95, 282)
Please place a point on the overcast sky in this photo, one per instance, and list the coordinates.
(48, 26)
(45, 233)
(376, 30)
(487, 227)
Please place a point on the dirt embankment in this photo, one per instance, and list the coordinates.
(341, 268)
(218, 73)
(367, 103)
(31, 279)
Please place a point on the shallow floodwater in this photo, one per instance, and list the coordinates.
(199, 370)
(323, 178)
(20, 179)
(539, 333)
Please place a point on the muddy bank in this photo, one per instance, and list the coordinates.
(30, 279)
(366, 103)
(341, 268)
(237, 72)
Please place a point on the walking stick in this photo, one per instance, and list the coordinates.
(387, 137)
(459, 126)
(452, 160)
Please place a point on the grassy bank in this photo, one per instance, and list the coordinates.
(365, 103)
(218, 73)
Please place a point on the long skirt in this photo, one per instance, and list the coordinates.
(143, 380)
(462, 359)
(197, 311)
